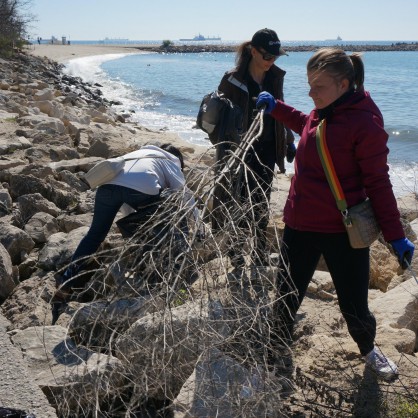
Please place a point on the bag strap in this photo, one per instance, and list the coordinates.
(146, 156)
(329, 168)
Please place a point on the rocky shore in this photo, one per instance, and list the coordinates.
(116, 352)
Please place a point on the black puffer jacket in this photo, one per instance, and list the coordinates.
(234, 86)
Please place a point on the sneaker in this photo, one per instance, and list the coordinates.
(380, 364)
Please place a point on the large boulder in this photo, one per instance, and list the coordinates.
(97, 324)
(161, 349)
(76, 381)
(222, 387)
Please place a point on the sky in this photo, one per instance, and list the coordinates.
(384, 20)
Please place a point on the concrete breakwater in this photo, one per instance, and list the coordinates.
(399, 46)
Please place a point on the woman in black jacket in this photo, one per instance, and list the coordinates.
(255, 71)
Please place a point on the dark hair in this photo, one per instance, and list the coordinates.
(175, 151)
(339, 65)
(243, 53)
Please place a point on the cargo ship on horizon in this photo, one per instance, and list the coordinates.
(200, 37)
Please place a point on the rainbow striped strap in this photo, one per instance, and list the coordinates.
(328, 166)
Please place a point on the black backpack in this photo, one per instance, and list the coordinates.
(219, 118)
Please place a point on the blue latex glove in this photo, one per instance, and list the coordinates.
(404, 250)
(265, 99)
(290, 152)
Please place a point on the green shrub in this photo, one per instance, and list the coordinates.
(166, 44)
(406, 409)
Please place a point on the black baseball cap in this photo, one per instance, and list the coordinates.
(269, 41)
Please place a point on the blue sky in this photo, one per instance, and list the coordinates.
(229, 19)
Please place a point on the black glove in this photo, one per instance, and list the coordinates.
(290, 152)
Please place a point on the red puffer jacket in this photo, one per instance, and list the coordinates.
(357, 143)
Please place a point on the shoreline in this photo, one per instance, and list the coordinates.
(64, 53)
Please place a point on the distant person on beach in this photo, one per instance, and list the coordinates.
(254, 72)
(140, 183)
(357, 142)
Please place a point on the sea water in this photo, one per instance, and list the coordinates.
(164, 91)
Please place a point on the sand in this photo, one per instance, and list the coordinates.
(64, 53)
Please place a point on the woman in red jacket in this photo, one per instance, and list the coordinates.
(357, 143)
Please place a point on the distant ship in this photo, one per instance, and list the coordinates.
(115, 40)
(201, 38)
(338, 38)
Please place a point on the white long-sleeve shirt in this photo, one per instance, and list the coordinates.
(152, 169)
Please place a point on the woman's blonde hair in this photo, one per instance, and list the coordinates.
(339, 65)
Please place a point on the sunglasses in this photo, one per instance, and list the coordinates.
(266, 56)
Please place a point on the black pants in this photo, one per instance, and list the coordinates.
(245, 200)
(349, 269)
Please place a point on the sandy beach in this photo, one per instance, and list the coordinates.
(64, 53)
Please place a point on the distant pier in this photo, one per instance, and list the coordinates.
(399, 46)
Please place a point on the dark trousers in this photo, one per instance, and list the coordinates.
(243, 201)
(109, 199)
(349, 269)
(256, 190)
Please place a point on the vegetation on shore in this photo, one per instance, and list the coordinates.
(14, 23)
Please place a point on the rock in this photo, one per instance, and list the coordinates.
(6, 202)
(43, 123)
(398, 308)
(59, 249)
(16, 241)
(96, 323)
(28, 305)
(167, 358)
(67, 222)
(7, 280)
(31, 204)
(10, 145)
(219, 386)
(61, 368)
(52, 190)
(17, 387)
(383, 266)
(41, 226)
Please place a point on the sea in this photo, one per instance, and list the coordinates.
(164, 91)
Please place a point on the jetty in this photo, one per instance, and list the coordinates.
(198, 48)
